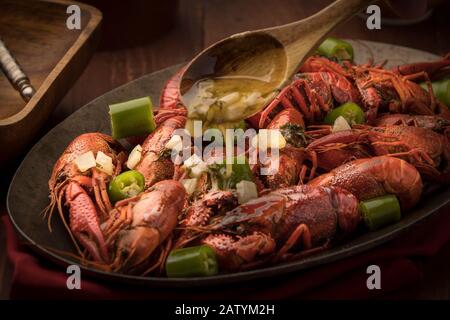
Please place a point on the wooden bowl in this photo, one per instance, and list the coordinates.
(50, 54)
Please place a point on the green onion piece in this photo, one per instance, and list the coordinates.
(350, 111)
(240, 170)
(441, 90)
(380, 211)
(197, 261)
(132, 118)
(126, 185)
(336, 48)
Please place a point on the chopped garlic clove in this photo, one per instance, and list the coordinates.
(192, 161)
(340, 124)
(85, 161)
(246, 191)
(202, 109)
(189, 185)
(276, 139)
(175, 143)
(230, 98)
(234, 111)
(134, 157)
(208, 94)
(252, 98)
(199, 169)
(104, 163)
(269, 138)
(205, 85)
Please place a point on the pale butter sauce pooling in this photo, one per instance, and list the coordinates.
(235, 89)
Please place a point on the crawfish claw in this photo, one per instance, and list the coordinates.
(84, 222)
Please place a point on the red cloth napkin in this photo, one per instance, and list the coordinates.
(400, 261)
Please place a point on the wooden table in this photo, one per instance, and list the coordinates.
(202, 22)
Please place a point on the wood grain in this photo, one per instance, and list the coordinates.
(203, 22)
(51, 55)
(109, 69)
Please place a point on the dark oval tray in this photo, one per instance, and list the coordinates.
(28, 193)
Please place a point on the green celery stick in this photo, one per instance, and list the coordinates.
(132, 118)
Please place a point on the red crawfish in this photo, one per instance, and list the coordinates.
(287, 223)
(68, 182)
(154, 165)
(198, 214)
(435, 123)
(374, 177)
(427, 150)
(139, 230)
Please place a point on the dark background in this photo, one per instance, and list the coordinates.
(140, 37)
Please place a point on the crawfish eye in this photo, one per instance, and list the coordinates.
(240, 229)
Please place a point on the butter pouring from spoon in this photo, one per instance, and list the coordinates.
(264, 60)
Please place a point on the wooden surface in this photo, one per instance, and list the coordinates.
(50, 54)
(202, 22)
(301, 38)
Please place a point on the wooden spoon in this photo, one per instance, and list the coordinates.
(243, 54)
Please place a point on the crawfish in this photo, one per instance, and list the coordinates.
(283, 169)
(199, 213)
(310, 96)
(435, 70)
(384, 90)
(427, 150)
(170, 104)
(322, 83)
(140, 227)
(308, 99)
(287, 164)
(435, 123)
(154, 164)
(85, 222)
(329, 151)
(68, 182)
(65, 168)
(278, 225)
(373, 177)
(390, 90)
(321, 64)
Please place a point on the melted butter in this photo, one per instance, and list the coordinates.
(233, 87)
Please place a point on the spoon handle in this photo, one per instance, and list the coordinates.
(301, 37)
(322, 21)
